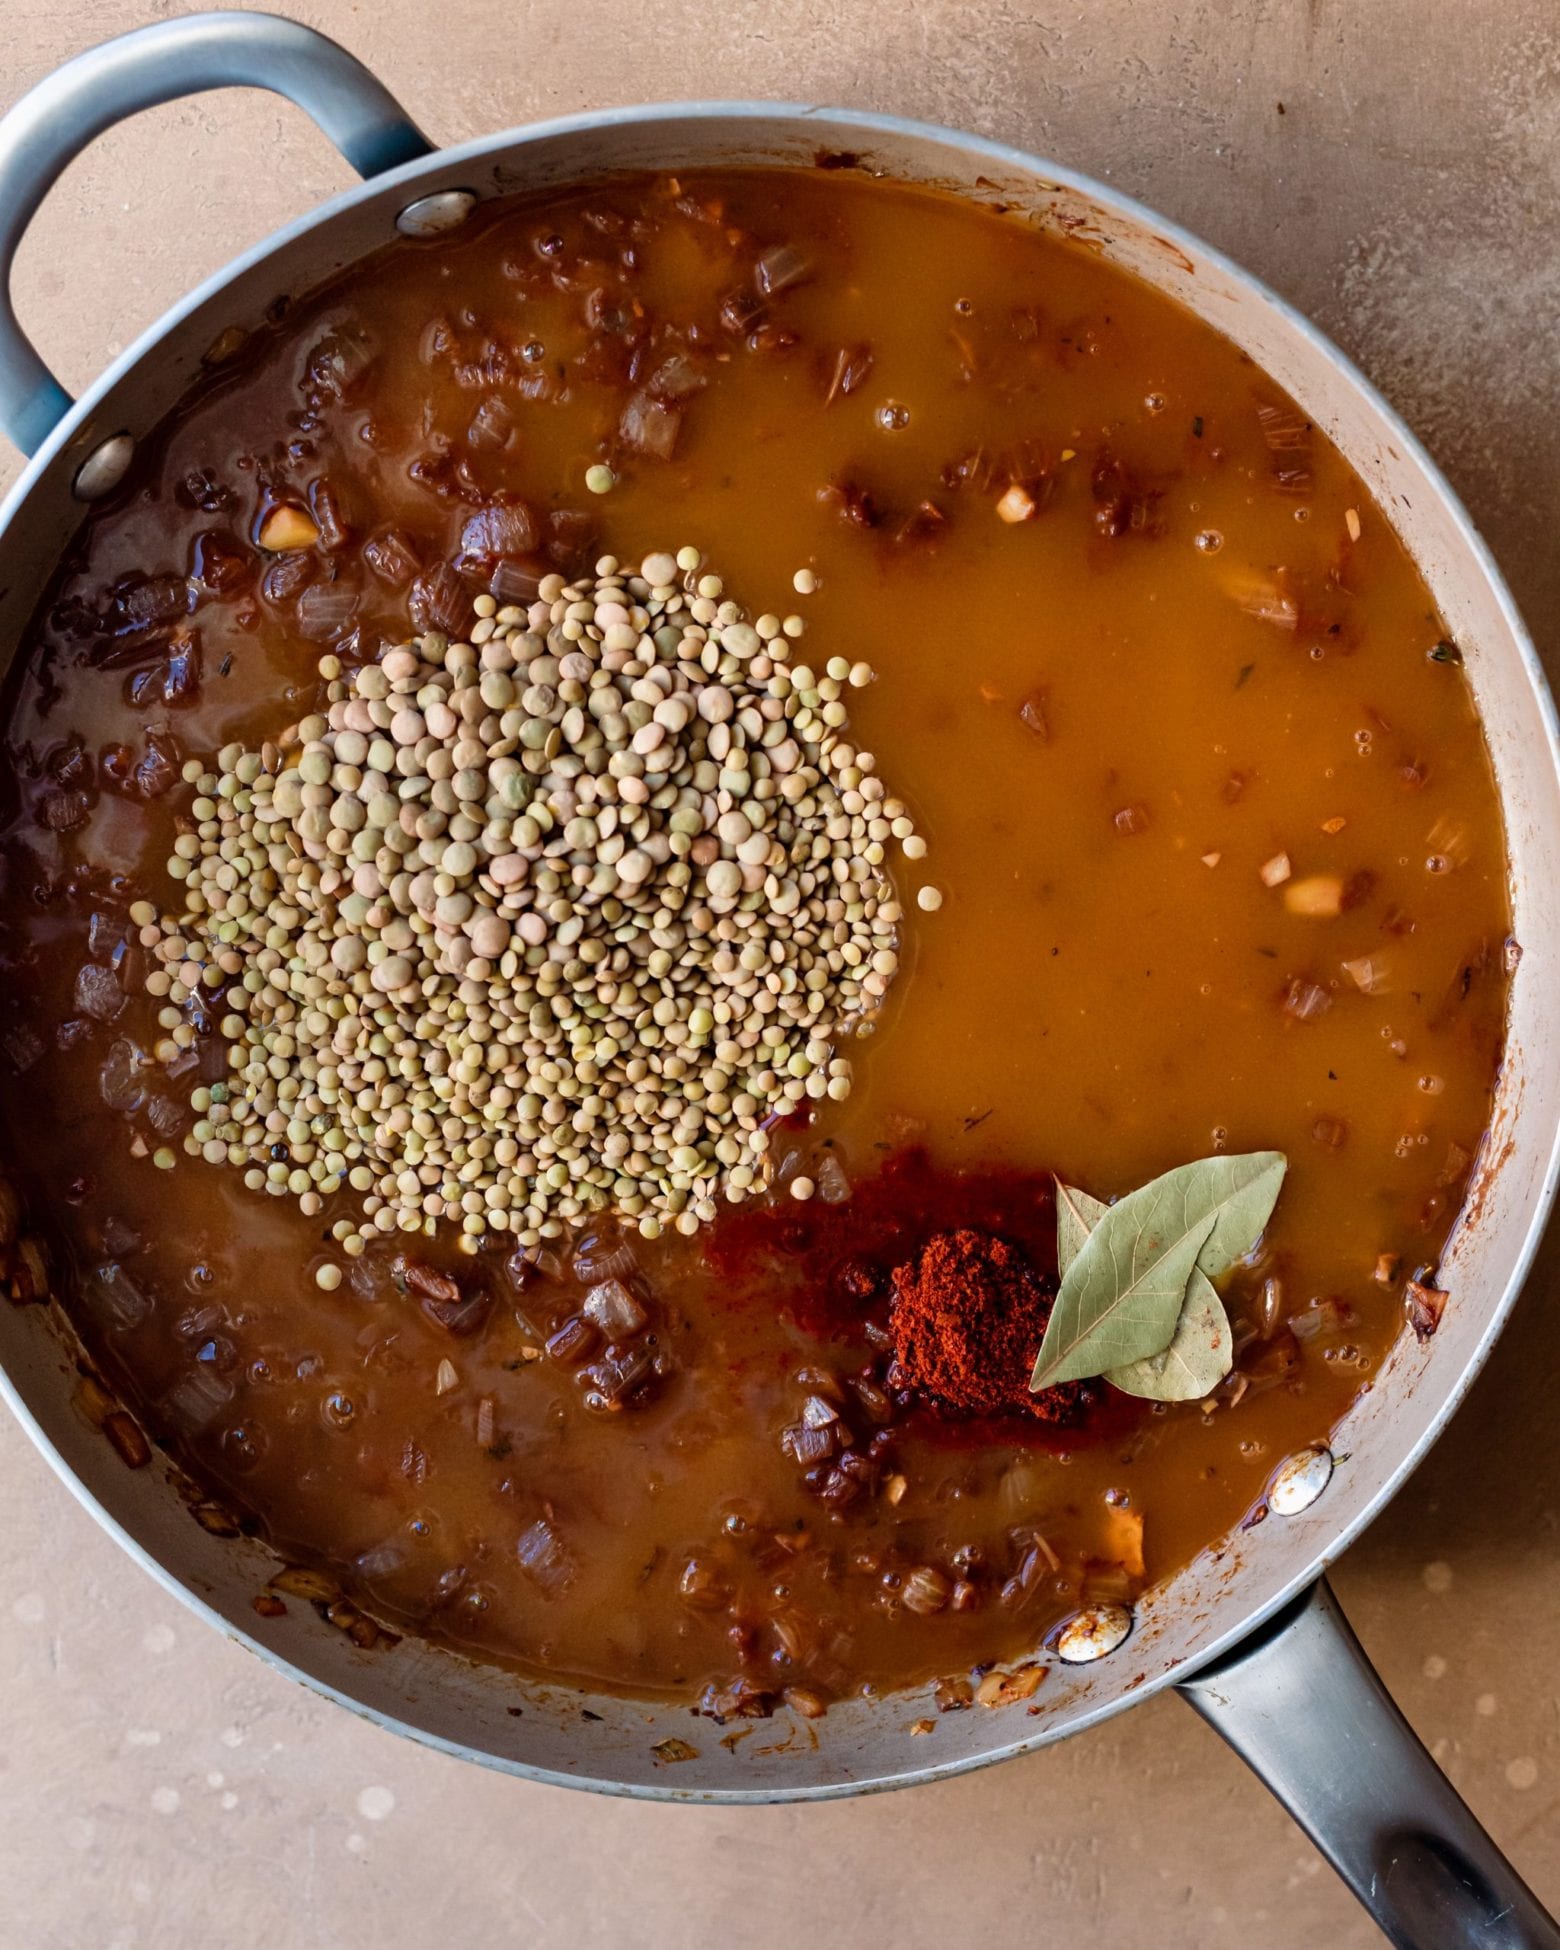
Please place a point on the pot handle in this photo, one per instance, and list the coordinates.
(64, 112)
(1302, 1705)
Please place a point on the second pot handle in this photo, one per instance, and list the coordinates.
(69, 108)
(1302, 1705)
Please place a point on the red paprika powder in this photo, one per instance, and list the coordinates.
(968, 1315)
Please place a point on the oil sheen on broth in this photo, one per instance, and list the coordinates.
(1204, 653)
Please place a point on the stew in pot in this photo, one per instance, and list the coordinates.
(1148, 819)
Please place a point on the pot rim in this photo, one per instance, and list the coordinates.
(446, 162)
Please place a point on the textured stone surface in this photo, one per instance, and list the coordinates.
(163, 1789)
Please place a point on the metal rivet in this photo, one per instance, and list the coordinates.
(1299, 1482)
(1093, 1634)
(104, 468)
(431, 215)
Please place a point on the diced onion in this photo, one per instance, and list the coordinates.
(611, 1307)
(1319, 897)
(1276, 871)
(1368, 973)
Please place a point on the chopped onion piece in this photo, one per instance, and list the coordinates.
(1276, 871)
(1016, 505)
(806, 1446)
(532, 1262)
(846, 372)
(1305, 1001)
(440, 601)
(544, 1558)
(925, 1590)
(1124, 1539)
(113, 1298)
(514, 582)
(1008, 1688)
(1449, 839)
(833, 1187)
(122, 1077)
(611, 1307)
(391, 557)
(381, 1559)
(491, 424)
(1368, 973)
(778, 269)
(1267, 600)
(597, 1258)
(676, 378)
(325, 610)
(1319, 897)
(98, 992)
(650, 427)
(197, 1400)
(288, 527)
(503, 528)
(1424, 1306)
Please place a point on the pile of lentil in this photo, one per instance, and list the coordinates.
(558, 918)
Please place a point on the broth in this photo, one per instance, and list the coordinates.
(1201, 674)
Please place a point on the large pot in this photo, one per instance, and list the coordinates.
(1247, 1631)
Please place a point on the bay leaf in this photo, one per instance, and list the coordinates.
(1203, 1350)
(1241, 1191)
(1195, 1362)
(1119, 1290)
(1076, 1217)
(1121, 1297)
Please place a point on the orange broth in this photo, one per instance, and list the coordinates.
(1204, 653)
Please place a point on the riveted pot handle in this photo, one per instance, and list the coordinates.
(1302, 1705)
(57, 120)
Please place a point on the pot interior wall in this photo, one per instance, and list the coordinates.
(597, 1740)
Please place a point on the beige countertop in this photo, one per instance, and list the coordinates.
(163, 1789)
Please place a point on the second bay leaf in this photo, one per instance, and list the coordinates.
(1077, 1214)
(1196, 1361)
(1240, 1189)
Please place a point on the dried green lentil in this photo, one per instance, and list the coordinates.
(554, 919)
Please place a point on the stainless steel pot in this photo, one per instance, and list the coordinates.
(1248, 1633)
